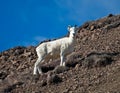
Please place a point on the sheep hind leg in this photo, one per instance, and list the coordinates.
(62, 63)
(36, 67)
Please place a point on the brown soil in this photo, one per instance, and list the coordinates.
(94, 66)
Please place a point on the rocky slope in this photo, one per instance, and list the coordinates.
(94, 66)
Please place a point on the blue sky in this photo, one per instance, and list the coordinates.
(28, 22)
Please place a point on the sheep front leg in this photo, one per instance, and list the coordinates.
(62, 63)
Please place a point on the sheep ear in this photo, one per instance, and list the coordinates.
(69, 26)
(75, 25)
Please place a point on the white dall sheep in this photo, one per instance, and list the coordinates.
(61, 46)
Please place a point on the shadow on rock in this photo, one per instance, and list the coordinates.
(52, 78)
(3, 75)
(10, 88)
(60, 69)
(47, 68)
(73, 59)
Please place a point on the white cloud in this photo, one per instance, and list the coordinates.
(34, 41)
(39, 38)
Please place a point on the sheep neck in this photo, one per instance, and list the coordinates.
(71, 37)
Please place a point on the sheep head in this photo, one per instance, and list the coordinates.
(72, 29)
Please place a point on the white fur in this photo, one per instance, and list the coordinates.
(61, 46)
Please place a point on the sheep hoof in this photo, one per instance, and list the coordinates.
(40, 73)
(35, 78)
(34, 73)
(64, 64)
(61, 64)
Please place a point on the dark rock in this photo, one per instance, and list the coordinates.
(110, 15)
(3, 75)
(53, 78)
(86, 25)
(60, 69)
(43, 82)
